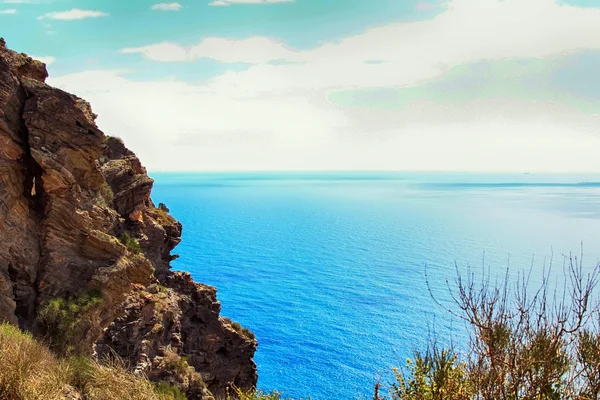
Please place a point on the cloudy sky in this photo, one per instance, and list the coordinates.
(486, 85)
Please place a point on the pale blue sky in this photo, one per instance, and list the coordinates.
(506, 85)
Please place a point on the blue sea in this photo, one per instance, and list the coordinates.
(329, 269)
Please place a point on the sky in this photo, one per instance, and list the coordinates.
(239, 85)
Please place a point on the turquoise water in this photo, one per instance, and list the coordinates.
(328, 269)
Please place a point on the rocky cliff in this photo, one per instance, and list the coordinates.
(77, 221)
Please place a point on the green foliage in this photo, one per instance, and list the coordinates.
(157, 288)
(238, 328)
(60, 319)
(254, 394)
(248, 333)
(588, 357)
(433, 375)
(132, 244)
(179, 366)
(170, 391)
(106, 195)
(82, 371)
(525, 343)
(162, 216)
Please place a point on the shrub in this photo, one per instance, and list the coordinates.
(182, 369)
(105, 195)
(435, 374)
(176, 363)
(102, 160)
(132, 244)
(60, 319)
(254, 394)
(524, 343)
(163, 217)
(238, 328)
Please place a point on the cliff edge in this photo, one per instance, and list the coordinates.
(84, 252)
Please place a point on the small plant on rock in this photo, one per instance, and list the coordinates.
(60, 319)
(132, 244)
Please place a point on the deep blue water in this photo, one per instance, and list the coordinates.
(328, 269)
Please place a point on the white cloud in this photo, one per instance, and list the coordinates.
(73, 14)
(186, 123)
(276, 115)
(409, 53)
(173, 125)
(167, 7)
(252, 50)
(229, 2)
(8, 11)
(48, 60)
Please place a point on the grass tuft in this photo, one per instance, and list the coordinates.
(29, 371)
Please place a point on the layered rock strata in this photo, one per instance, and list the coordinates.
(76, 217)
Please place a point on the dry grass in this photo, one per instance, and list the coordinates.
(29, 371)
(112, 382)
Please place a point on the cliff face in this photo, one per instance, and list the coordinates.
(74, 206)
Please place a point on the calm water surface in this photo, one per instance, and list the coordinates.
(328, 269)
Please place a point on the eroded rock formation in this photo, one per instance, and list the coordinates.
(70, 197)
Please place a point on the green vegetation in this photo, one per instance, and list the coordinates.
(238, 328)
(132, 244)
(106, 195)
(525, 343)
(179, 366)
(61, 319)
(170, 391)
(435, 374)
(238, 394)
(163, 217)
(31, 372)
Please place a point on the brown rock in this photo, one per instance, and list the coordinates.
(68, 194)
(156, 319)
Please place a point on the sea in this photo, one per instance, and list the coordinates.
(343, 275)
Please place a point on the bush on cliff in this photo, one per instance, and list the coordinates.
(131, 243)
(105, 195)
(60, 319)
(239, 328)
(238, 394)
